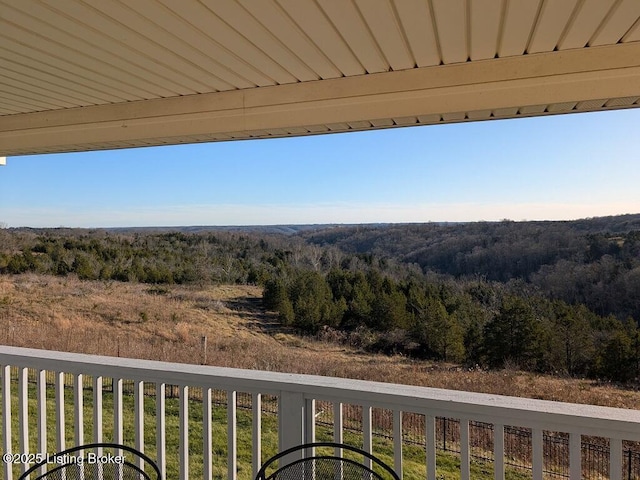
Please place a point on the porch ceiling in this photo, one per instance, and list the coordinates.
(100, 74)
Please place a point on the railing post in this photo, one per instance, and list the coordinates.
(291, 420)
(397, 442)
(537, 452)
(575, 456)
(367, 433)
(498, 451)
(430, 437)
(465, 450)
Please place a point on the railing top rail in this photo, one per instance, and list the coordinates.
(533, 413)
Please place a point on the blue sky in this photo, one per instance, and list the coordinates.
(551, 168)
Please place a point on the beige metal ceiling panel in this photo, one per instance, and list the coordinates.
(485, 19)
(315, 24)
(634, 33)
(275, 19)
(42, 102)
(479, 115)
(451, 22)
(589, 105)
(621, 102)
(49, 59)
(533, 109)
(622, 18)
(404, 121)
(382, 122)
(258, 35)
(505, 112)
(317, 128)
(415, 16)
(454, 117)
(19, 103)
(429, 119)
(383, 24)
(338, 127)
(93, 68)
(561, 107)
(37, 68)
(47, 83)
(137, 40)
(519, 22)
(297, 131)
(83, 44)
(5, 110)
(12, 106)
(209, 24)
(16, 87)
(585, 23)
(362, 125)
(554, 17)
(113, 73)
(349, 22)
(173, 33)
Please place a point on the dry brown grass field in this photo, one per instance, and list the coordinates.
(168, 323)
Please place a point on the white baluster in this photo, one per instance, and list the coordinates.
(23, 409)
(232, 436)
(138, 407)
(60, 425)
(78, 402)
(256, 433)
(183, 457)
(207, 439)
(41, 387)
(161, 434)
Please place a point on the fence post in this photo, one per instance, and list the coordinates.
(444, 434)
(204, 349)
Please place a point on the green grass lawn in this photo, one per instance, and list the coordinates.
(448, 465)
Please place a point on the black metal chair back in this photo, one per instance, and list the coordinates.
(95, 461)
(314, 466)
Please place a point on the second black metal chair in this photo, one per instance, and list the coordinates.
(319, 466)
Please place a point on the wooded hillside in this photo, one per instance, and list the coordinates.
(560, 297)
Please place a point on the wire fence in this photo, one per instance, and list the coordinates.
(517, 440)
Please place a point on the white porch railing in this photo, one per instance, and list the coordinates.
(27, 413)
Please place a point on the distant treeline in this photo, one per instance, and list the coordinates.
(559, 297)
(595, 262)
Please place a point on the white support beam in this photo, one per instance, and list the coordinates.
(505, 84)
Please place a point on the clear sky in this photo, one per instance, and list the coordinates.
(548, 168)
